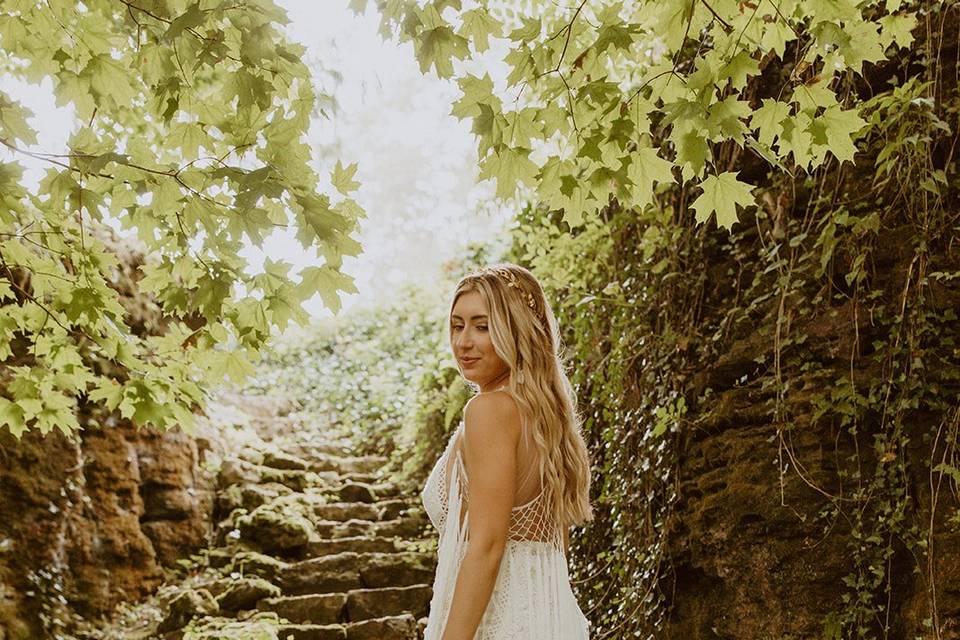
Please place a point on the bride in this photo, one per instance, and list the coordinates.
(515, 474)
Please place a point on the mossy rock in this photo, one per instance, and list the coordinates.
(245, 593)
(274, 531)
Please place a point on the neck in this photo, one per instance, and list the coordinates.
(496, 383)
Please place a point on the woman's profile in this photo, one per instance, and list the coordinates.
(515, 474)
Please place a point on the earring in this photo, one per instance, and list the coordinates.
(519, 375)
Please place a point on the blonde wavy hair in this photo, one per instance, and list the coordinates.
(525, 334)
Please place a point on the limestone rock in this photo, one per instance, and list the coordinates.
(402, 627)
(235, 471)
(311, 608)
(357, 492)
(245, 593)
(258, 564)
(312, 632)
(185, 606)
(363, 604)
(282, 460)
(347, 511)
(275, 531)
(326, 573)
(359, 544)
(394, 570)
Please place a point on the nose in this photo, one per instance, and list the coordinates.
(463, 340)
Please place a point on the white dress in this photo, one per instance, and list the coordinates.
(532, 598)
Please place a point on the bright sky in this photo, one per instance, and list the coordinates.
(417, 164)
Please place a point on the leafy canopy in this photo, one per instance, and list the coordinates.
(190, 123)
(610, 99)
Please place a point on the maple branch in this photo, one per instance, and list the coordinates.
(726, 25)
(32, 299)
(190, 30)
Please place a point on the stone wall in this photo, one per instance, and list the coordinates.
(748, 557)
(87, 524)
(91, 521)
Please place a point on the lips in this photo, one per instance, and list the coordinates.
(468, 361)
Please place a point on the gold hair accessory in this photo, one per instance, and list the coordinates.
(511, 279)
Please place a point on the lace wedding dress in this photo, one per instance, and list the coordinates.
(532, 598)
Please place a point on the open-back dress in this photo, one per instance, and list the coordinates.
(532, 598)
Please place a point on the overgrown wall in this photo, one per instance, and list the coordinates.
(773, 415)
(91, 521)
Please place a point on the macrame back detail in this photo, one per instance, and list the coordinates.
(529, 522)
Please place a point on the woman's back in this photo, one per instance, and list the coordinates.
(532, 598)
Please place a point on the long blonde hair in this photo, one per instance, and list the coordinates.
(525, 334)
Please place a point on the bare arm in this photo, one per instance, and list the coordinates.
(492, 431)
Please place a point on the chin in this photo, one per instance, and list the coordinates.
(473, 378)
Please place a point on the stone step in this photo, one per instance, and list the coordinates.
(249, 496)
(274, 532)
(325, 471)
(352, 606)
(238, 471)
(390, 509)
(351, 570)
(359, 544)
(314, 608)
(368, 478)
(365, 604)
(246, 562)
(347, 464)
(409, 526)
(343, 511)
(402, 627)
(312, 632)
(395, 508)
(351, 491)
(242, 594)
(312, 449)
(412, 525)
(284, 460)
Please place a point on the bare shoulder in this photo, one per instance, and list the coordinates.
(493, 417)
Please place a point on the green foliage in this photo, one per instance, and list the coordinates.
(622, 297)
(441, 394)
(383, 377)
(624, 96)
(355, 372)
(190, 123)
(632, 124)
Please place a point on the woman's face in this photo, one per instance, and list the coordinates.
(472, 347)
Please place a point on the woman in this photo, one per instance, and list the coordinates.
(515, 474)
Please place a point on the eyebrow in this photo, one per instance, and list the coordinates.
(455, 316)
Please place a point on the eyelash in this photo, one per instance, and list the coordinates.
(482, 328)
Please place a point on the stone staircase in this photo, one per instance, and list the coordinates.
(317, 537)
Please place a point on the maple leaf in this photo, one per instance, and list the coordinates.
(721, 194)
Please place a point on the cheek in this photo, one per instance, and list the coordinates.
(494, 360)
(484, 342)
